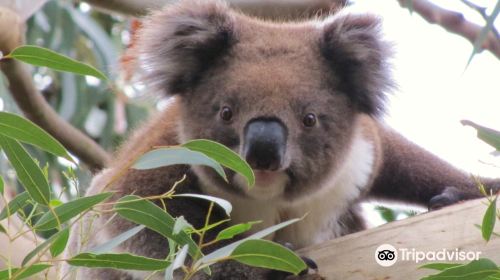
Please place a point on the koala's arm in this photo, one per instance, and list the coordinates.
(409, 173)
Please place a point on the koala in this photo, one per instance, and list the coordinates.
(300, 101)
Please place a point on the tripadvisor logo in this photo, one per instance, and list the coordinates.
(387, 255)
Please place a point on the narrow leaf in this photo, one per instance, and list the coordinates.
(267, 254)
(227, 250)
(178, 262)
(488, 135)
(30, 271)
(25, 131)
(176, 155)
(232, 231)
(118, 261)
(28, 171)
(41, 247)
(2, 184)
(226, 205)
(440, 266)
(489, 220)
(39, 56)
(475, 270)
(180, 225)
(144, 212)
(484, 32)
(59, 243)
(14, 205)
(69, 210)
(224, 156)
(116, 241)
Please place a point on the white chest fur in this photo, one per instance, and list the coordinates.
(323, 208)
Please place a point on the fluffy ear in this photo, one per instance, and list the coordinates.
(180, 42)
(353, 46)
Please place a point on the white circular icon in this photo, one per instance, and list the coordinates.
(386, 255)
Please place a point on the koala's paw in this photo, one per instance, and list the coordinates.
(449, 196)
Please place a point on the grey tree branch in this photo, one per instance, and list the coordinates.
(32, 103)
(453, 22)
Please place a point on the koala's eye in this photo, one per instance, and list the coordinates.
(226, 114)
(309, 120)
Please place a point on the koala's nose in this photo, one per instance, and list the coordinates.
(264, 144)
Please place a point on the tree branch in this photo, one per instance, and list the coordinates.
(32, 103)
(453, 22)
(277, 9)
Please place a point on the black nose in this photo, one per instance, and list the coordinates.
(265, 144)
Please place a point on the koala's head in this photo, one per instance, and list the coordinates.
(285, 96)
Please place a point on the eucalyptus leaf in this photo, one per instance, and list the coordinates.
(39, 56)
(439, 266)
(30, 271)
(59, 243)
(42, 246)
(489, 220)
(226, 205)
(14, 205)
(488, 135)
(144, 212)
(178, 262)
(267, 254)
(23, 130)
(2, 186)
(69, 210)
(490, 21)
(118, 261)
(180, 225)
(116, 241)
(475, 270)
(224, 156)
(28, 171)
(176, 155)
(232, 231)
(226, 251)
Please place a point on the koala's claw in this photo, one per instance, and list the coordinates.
(449, 196)
(311, 266)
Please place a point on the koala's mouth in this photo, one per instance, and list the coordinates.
(266, 179)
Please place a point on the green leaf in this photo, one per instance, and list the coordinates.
(116, 241)
(2, 229)
(226, 251)
(231, 231)
(69, 210)
(488, 135)
(28, 172)
(226, 205)
(440, 266)
(39, 56)
(484, 32)
(42, 246)
(14, 205)
(267, 254)
(25, 131)
(176, 155)
(144, 212)
(2, 184)
(224, 156)
(178, 262)
(180, 225)
(59, 243)
(489, 220)
(118, 261)
(30, 271)
(475, 270)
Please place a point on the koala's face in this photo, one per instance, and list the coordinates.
(285, 97)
